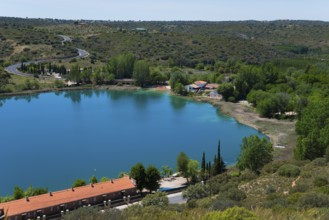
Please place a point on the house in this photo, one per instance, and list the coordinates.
(54, 203)
(201, 84)
(196, 86)
(212, 86)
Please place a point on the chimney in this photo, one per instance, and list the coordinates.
(111, 181)
(92, 185)
(50, 194)
(27, 199)
(72, 189)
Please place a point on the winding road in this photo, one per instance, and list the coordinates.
(13, 69)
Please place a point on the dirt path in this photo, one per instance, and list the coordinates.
(281, 132)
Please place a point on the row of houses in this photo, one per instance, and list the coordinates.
(53, 203)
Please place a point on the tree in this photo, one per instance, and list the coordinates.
(313, 131)
(159, 199)
(137, 172)
(79, 182)
(141, 72)
(182, 161)
(104, 179)
(179, 88)
(219, 165)
(166, 171)
(203, 166)
(74, 74)
(18, 193)
(35, 191)
(226, 90)
(192, 169)
(93, 179)
(4, 80)
(152, 178)
(255, 153)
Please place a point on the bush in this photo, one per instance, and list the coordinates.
(222, 204)
(312, 200)
(272, 167)
(300, 187)
(196, 191)
(231, 99)
(157, 199)
(235, 194)
(289, 170)
(248, 175)
(293, 198)
(320, 181)
(235, 213)
(319, 162)
(324, 189)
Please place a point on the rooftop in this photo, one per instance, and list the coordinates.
(65, 196)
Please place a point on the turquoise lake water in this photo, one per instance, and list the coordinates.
(51, 139)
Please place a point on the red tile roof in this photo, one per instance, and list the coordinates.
(65, 196)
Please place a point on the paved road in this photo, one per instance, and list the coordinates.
(13, 68)
(176, 198)
(65, 38)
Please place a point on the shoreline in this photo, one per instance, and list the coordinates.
(280, 132)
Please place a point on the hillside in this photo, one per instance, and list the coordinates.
(184, 43)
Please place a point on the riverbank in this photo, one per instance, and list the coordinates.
(281, 132)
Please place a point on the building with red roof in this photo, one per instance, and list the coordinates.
(54, 203)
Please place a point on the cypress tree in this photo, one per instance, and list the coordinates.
(203, 165)
(220, 162)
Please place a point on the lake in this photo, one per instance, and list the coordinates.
(51, 139)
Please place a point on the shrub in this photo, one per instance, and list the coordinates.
(235, 213)
(222, 204)
(324, 189)
(293, 198)
(235, 194)
(231, 99)
(289, 170)
(320, 181)
(300, 187)
(319, 162)
(270, 189)
(273, 166)
(311, 200)
(157, 199)
(248, 175)
(196, 191)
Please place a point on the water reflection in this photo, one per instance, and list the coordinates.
(27, 98)
(75, 96)
(178, 103)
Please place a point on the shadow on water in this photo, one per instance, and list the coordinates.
(178, 103)
(75, 96)
(117, 95)
(27, 98)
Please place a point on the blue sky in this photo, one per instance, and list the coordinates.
(210, 10)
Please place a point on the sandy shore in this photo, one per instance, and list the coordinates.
(281, 132)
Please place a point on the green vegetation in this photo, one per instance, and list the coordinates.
(255, 153)
(148, 178)
(280, 67)
(79, 182)
(159, 199)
